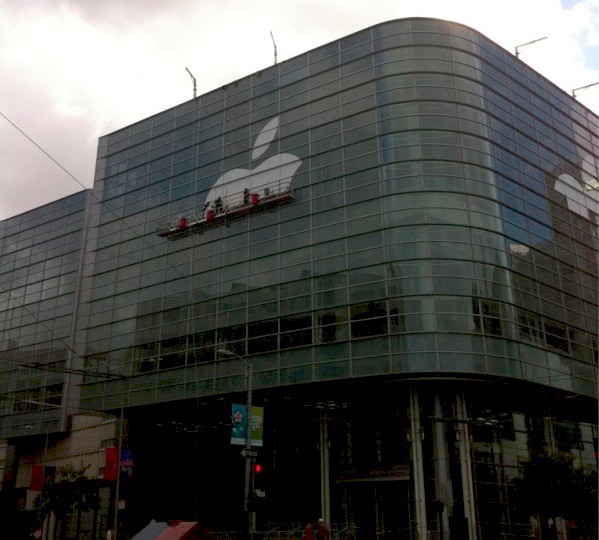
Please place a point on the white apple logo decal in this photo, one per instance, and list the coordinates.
(573, 189)
(275, 173)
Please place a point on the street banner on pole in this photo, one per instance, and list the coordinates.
(239, 424)
(257, 426)
(111, 466)
(127, 462)
(37, 478)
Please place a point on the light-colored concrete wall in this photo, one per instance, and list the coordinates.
(88, 437)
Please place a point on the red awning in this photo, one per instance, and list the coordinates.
(174, 530)
(179, 530)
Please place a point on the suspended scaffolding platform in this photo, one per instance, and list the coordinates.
(226, 209)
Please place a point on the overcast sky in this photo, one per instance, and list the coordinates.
(73, 70)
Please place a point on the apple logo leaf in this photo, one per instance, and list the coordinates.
(580, 192)
(265, 137)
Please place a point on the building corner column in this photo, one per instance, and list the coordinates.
(417, 467)
(325, 482)
(443, 487)
(463, 434)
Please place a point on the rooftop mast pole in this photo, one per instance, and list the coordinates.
(583, 88)
(529, 43)
(275, 45)
(195, 85)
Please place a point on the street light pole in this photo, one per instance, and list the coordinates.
(118, 476)
(248, 451)
(248, 480)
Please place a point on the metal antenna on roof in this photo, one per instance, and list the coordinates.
(275, 45)
(195, 84)
(583, 88)
(529, 43)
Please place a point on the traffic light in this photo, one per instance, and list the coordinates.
(260, 481)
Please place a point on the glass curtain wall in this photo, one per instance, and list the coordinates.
(422, 237)
(39, 269)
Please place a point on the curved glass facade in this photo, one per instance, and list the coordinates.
(444, 220)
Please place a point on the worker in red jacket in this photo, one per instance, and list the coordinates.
(322, 533)
(308, 533)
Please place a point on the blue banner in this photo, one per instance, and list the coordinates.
(239, 424)
(126, 462)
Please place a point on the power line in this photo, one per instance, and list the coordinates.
(136, 235)
(90, 191)
(73, 371)
(41, 149)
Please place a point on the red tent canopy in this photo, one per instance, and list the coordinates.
(174, 530)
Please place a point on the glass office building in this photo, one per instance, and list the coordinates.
(39, 269)
(397, 234)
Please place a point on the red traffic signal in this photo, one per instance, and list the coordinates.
(257, 468)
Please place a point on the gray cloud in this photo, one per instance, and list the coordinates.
(72, 71)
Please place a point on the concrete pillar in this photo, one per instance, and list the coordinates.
(550, 446)
(463, 434)
(443, 486)
(417, 469)
(51, 526)
(325, 482)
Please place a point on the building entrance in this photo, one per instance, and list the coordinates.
(377, 510)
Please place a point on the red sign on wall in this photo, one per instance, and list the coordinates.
(111, 466)
(37, 478)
